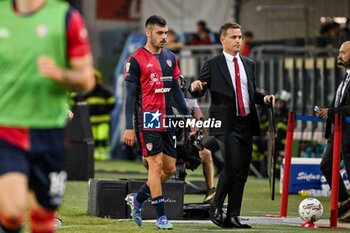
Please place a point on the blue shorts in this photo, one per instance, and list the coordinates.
(154, 142)
(43, 164)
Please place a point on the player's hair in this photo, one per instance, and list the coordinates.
(155, 20)
(226, 26)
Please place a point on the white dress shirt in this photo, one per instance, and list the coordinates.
(341, 89)
(244, 79)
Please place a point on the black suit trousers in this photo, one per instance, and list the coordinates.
(327, 162)
(236, 148)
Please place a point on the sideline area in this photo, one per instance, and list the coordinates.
(291, 221)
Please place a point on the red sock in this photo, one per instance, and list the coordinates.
(42, 221)
(11, 224)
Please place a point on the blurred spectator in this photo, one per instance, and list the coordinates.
(260, 142)
(173, 43)
(203, 34)
(248, 37)
(328, 31)
(346, 29)
(202, 25)
(281, 116)
(101, 102)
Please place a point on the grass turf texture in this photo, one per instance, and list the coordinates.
(256, 202)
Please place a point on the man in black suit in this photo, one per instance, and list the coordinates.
(230, 79)
(341, 105)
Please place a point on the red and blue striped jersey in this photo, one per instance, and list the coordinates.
(155, 77)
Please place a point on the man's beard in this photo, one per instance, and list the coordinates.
(345, 64)
(158, 45)
(162, 43)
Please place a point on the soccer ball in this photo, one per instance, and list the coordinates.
(310, 210)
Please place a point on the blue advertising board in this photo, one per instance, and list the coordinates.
(305, 173)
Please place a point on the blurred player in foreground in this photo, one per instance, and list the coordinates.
(44, 51)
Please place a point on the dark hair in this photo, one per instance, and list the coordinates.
(171, 31)
(248, 34)
(202, 23)
(223, 28)
(155, 20)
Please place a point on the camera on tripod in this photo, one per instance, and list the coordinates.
(188, 146)
(198, 137)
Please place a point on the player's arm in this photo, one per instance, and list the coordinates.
(129, 133)
(131, 82)
(179, 98)
(79, 75)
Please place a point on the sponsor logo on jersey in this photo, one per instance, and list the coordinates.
(154, 79)
(151, 120)
(162, 90)
(149, 65)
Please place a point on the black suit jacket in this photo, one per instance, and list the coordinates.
(344, 109)
(223, 97)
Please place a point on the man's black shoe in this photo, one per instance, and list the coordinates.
(217, 217)
(344, 209)
(234, 222)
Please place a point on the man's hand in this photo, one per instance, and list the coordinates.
(197, 85)
(269, 99)
(78, 77)
(322, 113)
(48, 68)
(129, 137)
(193, 130)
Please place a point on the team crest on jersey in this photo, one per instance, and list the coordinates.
(149, 146)
(168, 61)
(41, 30)
(154, 78)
